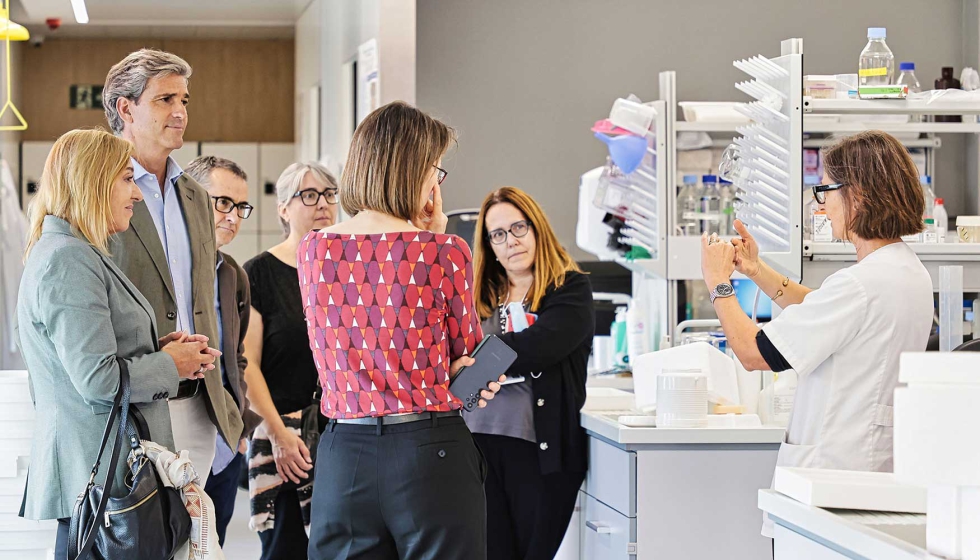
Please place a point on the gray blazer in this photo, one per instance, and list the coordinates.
(76, 314)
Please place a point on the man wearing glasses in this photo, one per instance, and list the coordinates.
(227, 188)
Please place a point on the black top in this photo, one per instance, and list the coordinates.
(553, 355)
(287, 361)
(770, 353)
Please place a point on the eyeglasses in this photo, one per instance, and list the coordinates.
(441, 174)
(819, 192)
(311, 197)
(517, 229)
(225, 205)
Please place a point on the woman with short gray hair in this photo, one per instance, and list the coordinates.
(281, 375)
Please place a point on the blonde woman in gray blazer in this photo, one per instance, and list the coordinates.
(78, 314)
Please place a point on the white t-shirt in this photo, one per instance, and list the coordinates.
(844, 341)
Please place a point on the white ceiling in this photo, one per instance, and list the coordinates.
(195, 13)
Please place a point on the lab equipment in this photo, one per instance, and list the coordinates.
(633, 115)
(726, 203)
(929, 234)
(709, 206)
(688, 201)
(777, 397)
(591, 233)
(638, 339)
(929, 194)
(857, 490)
(933, 412)
(947, 81)
(700, 357)
(876, 65)
(968, 229)
(627, 151)
(907, 77)
(950, 307)
(822, 230)
(682, 400)
(942, 220)
(620, 340)
(820, 87)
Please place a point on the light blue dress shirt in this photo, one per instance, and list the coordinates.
(223, 454)
(168, 217)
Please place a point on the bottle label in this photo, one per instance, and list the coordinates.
(866, 72)
(822, 231)
(782, 405)
(930, 237)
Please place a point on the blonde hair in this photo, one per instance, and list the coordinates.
(551, 260)
(292, 179)
(129, 76)
(76, 185)
(393, 151)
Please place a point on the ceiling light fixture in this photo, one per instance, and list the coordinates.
(81, 13)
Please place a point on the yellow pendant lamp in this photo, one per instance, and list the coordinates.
(10, 31)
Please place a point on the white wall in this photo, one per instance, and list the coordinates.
(328, 35)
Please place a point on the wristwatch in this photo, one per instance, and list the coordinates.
(721, 290)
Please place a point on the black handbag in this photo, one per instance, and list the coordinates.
(151, 522)
(311, 426)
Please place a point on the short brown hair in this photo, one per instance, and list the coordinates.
(551, 260)
(201, 168)
(128, 78)
(882, 195)
(393, 151)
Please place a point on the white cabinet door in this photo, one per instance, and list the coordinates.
(273, 160)
(33, 156)
(246, 155)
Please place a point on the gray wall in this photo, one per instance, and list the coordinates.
(523, 80)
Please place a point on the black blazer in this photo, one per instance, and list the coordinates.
(553, 355)
(235, 298)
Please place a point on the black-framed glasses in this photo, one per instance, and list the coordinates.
(311, 197)
(440, 174)
(820, 191)
(517, 229)
(225, 205)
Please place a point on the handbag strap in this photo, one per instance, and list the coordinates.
(120, 408)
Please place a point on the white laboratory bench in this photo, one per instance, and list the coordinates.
(654, 493)
(811, 533)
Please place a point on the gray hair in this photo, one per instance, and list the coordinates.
(128, 78)
(291, 179)
(201, 168)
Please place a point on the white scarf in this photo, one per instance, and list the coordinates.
(176, 471)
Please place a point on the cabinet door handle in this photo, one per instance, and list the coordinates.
(598, 527)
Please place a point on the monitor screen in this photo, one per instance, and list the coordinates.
(745, 292)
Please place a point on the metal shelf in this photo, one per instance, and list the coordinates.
(684, 126)
(948, 251)
(920, 127)
(888, 107)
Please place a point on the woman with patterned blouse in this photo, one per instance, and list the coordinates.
(389, 307)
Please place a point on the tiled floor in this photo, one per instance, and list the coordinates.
(241, 543)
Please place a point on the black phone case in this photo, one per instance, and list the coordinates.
(493, 358)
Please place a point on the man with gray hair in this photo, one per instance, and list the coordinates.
(227, 186)
(169, 250)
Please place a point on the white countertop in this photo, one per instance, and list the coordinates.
(871, 535)
(606, 427)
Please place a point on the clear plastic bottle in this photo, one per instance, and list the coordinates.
(876, 66)
(906, 77)
(727, 205)
(929, 234)
(942, 220)
(687, 206)
(929, 194)
(710, 205)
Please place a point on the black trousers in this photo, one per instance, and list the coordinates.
(287, 539)
(527, 512)
(222, 488)
(410, 491)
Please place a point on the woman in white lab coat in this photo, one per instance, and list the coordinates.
(844, 338)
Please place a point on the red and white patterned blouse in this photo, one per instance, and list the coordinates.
(386, 314)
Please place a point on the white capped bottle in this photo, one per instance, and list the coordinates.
(876, 66)
(942, 220)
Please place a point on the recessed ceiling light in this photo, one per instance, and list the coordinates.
(81, 13)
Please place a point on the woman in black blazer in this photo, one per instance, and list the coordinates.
(532, 437)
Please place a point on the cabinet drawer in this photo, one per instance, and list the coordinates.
(612, 476)
(606, 533)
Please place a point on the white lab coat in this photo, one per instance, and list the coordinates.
(844, 342)
(13, 240)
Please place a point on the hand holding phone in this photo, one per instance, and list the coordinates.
(492, 358)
